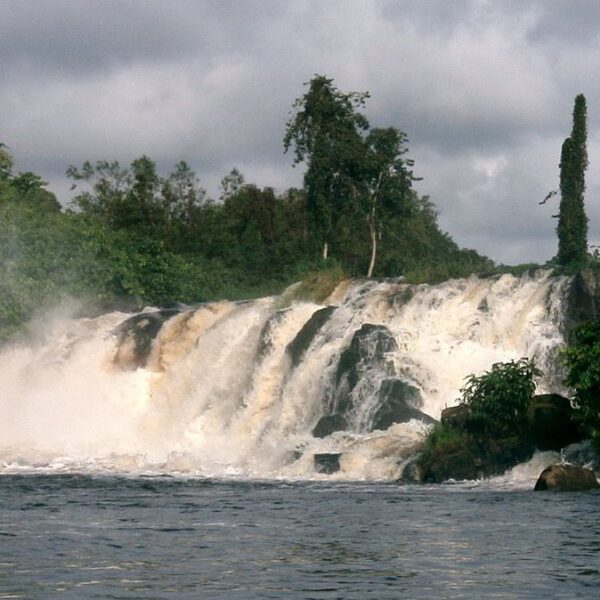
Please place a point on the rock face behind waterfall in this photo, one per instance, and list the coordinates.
(136, 336)
(367, 395)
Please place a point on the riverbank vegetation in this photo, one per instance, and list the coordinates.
(131, 236)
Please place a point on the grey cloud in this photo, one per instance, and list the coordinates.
(471, 82)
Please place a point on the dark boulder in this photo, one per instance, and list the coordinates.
(136, 335)
(456, 416)
(412, 472)
(299, 345)
(551, 422)
(460, 455)
(327, 463)
(329, 424)
(566, 478)
(367, 355)
(265, 344)
(402, 297)
(398, 402)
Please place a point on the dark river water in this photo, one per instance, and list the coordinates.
(70, 536)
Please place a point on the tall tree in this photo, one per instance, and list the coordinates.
(386, 183)
(326, 133)
(572, 221)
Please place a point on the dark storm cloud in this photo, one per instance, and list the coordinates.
(484, 90)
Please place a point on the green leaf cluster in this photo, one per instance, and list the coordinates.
(500, 397)
(582, 361)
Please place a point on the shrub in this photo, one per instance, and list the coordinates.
(582, 360)
(500, 397)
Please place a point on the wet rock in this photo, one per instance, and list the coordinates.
(135, 336)
(398, 402)
(327, 463)
(299, 345)
(582, 454)
(412, 472)
(402, 297)
(367, 353)
(265, 344)
(328, 425)
(456, 416)
(566, 478)
(551, 422)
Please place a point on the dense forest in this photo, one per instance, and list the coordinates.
(131, 236)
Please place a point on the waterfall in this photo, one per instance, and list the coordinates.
(248, 389)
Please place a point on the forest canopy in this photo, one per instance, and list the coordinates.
(132, 236)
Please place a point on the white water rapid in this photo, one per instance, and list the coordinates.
(218, 394)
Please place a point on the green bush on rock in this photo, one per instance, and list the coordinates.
(499, 398)
(488, 432)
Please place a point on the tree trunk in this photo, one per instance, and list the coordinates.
(373, 249)
(325, 249)
(373, 234)
(371, 222)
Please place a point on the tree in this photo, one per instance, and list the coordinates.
(386, 183)
(572, 221)
(231, 183)
(6, 162)
(326, 133)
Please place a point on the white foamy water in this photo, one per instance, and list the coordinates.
(219, 395)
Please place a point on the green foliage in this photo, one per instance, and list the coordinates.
(355, 175)
(493, 434)
(582, 361)
(443, 440)
(499, 398)
(316, 286)
(134, 236)
(572, 222)
(326, 132)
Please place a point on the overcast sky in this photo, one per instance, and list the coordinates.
(484, 90)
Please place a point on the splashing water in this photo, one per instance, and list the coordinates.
(219, 393)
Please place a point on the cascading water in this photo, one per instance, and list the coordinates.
(236, 389)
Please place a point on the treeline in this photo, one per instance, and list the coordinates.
(132, 236)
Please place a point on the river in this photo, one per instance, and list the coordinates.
(82, 536)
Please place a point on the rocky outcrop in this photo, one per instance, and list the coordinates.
(329, 424)
(398, 403)
(327, 463)
(463, 456)
(460, 449)
(136, 334)
(265, 343)
(299, 345)
(368, 352)
(566, 478)
(456, 416)
(365, 371)
(412, 471)
(551, 422)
